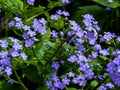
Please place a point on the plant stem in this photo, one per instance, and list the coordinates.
(37, 15)
(117, 12)
(24, 5)
(13, 80)
(6, 25)
(20, 81)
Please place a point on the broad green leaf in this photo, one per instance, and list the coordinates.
(104, 57)
(34, 11)
(31, 72)
(15, 5)
(47, 14)
(94, 83)
(6, 86)
(58, 24)
(2, 3)
(40, 54)
(114, 4)
(46, 69)
(71, 88)
(61, 23)
(32, 61)
(47, 35)
(42, 88)
(54, 4)
(29, 52)
(51, 45)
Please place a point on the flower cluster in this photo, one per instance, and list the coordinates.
(11, 50)
(79, 38)
(59, 52)
(106, 86)
(29, 32)
(58, 14)
(66, 79)
(86, 73)
(114, 70)
(55, 82)
(87, 41)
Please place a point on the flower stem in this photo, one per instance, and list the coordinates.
(37, 15)
(20, 81)
(24, 5)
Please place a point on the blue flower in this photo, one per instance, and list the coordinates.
(3, 54)
(29, 43)
(104, 52)
(3, 43)
(65, 81)
(108, 36)
(55, 65)
(102, 88)
(113, 68)
(54, 34)
(24, 56)
(109, 85)
(14, 53)
(97, 46)
(38, 26)
(54, 17)
(17, 46)
(11, 23)
(70, 74)
(30, 2)
(25, 27)
(72, 58)
(8, 71)
(65, 1)
(59, 85)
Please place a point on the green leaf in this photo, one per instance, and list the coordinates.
(15, 5)
(52, 45)
(47, 35)
(40, 51)
(42, 88)
(61, 23)
(34, 11)
(31, 72)
(104, 57)
(2, 3)
(114, 4)
(55, 4)
(58, 24)
(94, 83)
(6, 86)
(71, 88)
(47, 14)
